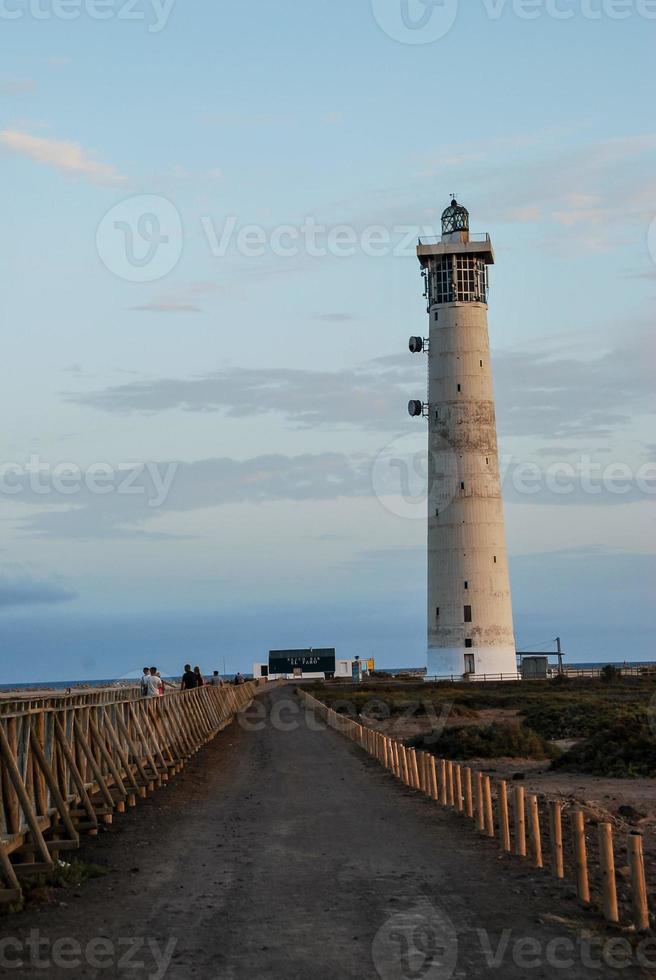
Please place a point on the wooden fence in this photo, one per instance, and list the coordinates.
(527, 826)
(68, 763)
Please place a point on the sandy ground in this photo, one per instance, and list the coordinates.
(603, 798)
(282, 851)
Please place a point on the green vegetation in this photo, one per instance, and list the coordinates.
(609, 717)
(486, 742)
(627, 748)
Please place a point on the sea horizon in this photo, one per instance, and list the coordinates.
(126, 681)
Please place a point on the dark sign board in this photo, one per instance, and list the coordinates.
(309, 661)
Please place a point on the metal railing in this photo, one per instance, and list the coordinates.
(437, 240)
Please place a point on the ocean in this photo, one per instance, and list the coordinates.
(110, 682)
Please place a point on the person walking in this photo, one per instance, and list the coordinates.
(189, 681)
(144, 682)
(154, 684)
(216, 680)
(200, 680)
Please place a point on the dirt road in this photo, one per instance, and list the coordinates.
(283, 852)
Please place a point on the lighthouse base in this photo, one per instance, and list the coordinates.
(477, 664)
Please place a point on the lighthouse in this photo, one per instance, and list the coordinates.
(470, 622)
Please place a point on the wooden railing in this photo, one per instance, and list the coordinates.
(525, 825)
(67, 766)
(12, 703)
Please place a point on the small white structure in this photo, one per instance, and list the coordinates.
(470, 622)
(317, 665)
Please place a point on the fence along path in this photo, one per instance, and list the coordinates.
(69, 763)
(522, 824)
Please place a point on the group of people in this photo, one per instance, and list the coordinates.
(194, 678)
(152, 685)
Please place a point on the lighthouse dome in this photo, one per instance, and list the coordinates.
(455, 218)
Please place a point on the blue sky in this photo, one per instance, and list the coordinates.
(217, 448)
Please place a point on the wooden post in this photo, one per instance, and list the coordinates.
(469, 800)
(638, 883)
(487, 806)
(580, 856)
(607, 859)
(458, 787)
(433, 778)
(520, 822)
(480, 810)
(556, 834)
(444, 796)
(504, 822)
(403, 756)
(534, 827)
(415, 771)
(449, 784)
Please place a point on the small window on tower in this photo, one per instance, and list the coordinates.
(462, 486)
(495, 559)
(469, 644)
(459, 387)
(437, 316)
(437, 613)
(437, 513)
(466, 585)
(468, 614)
(481, 364)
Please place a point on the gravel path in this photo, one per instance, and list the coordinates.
(289, 855)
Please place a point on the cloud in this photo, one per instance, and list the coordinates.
(194, 486)
(167, 308)
(64, 155)
(335, 317)
(554, 395)
(26, 591)
(543, 392)
(17, 86)
(371, 396)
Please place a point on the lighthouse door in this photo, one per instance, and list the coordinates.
(470, 664)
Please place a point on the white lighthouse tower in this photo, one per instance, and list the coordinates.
(470, 623)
